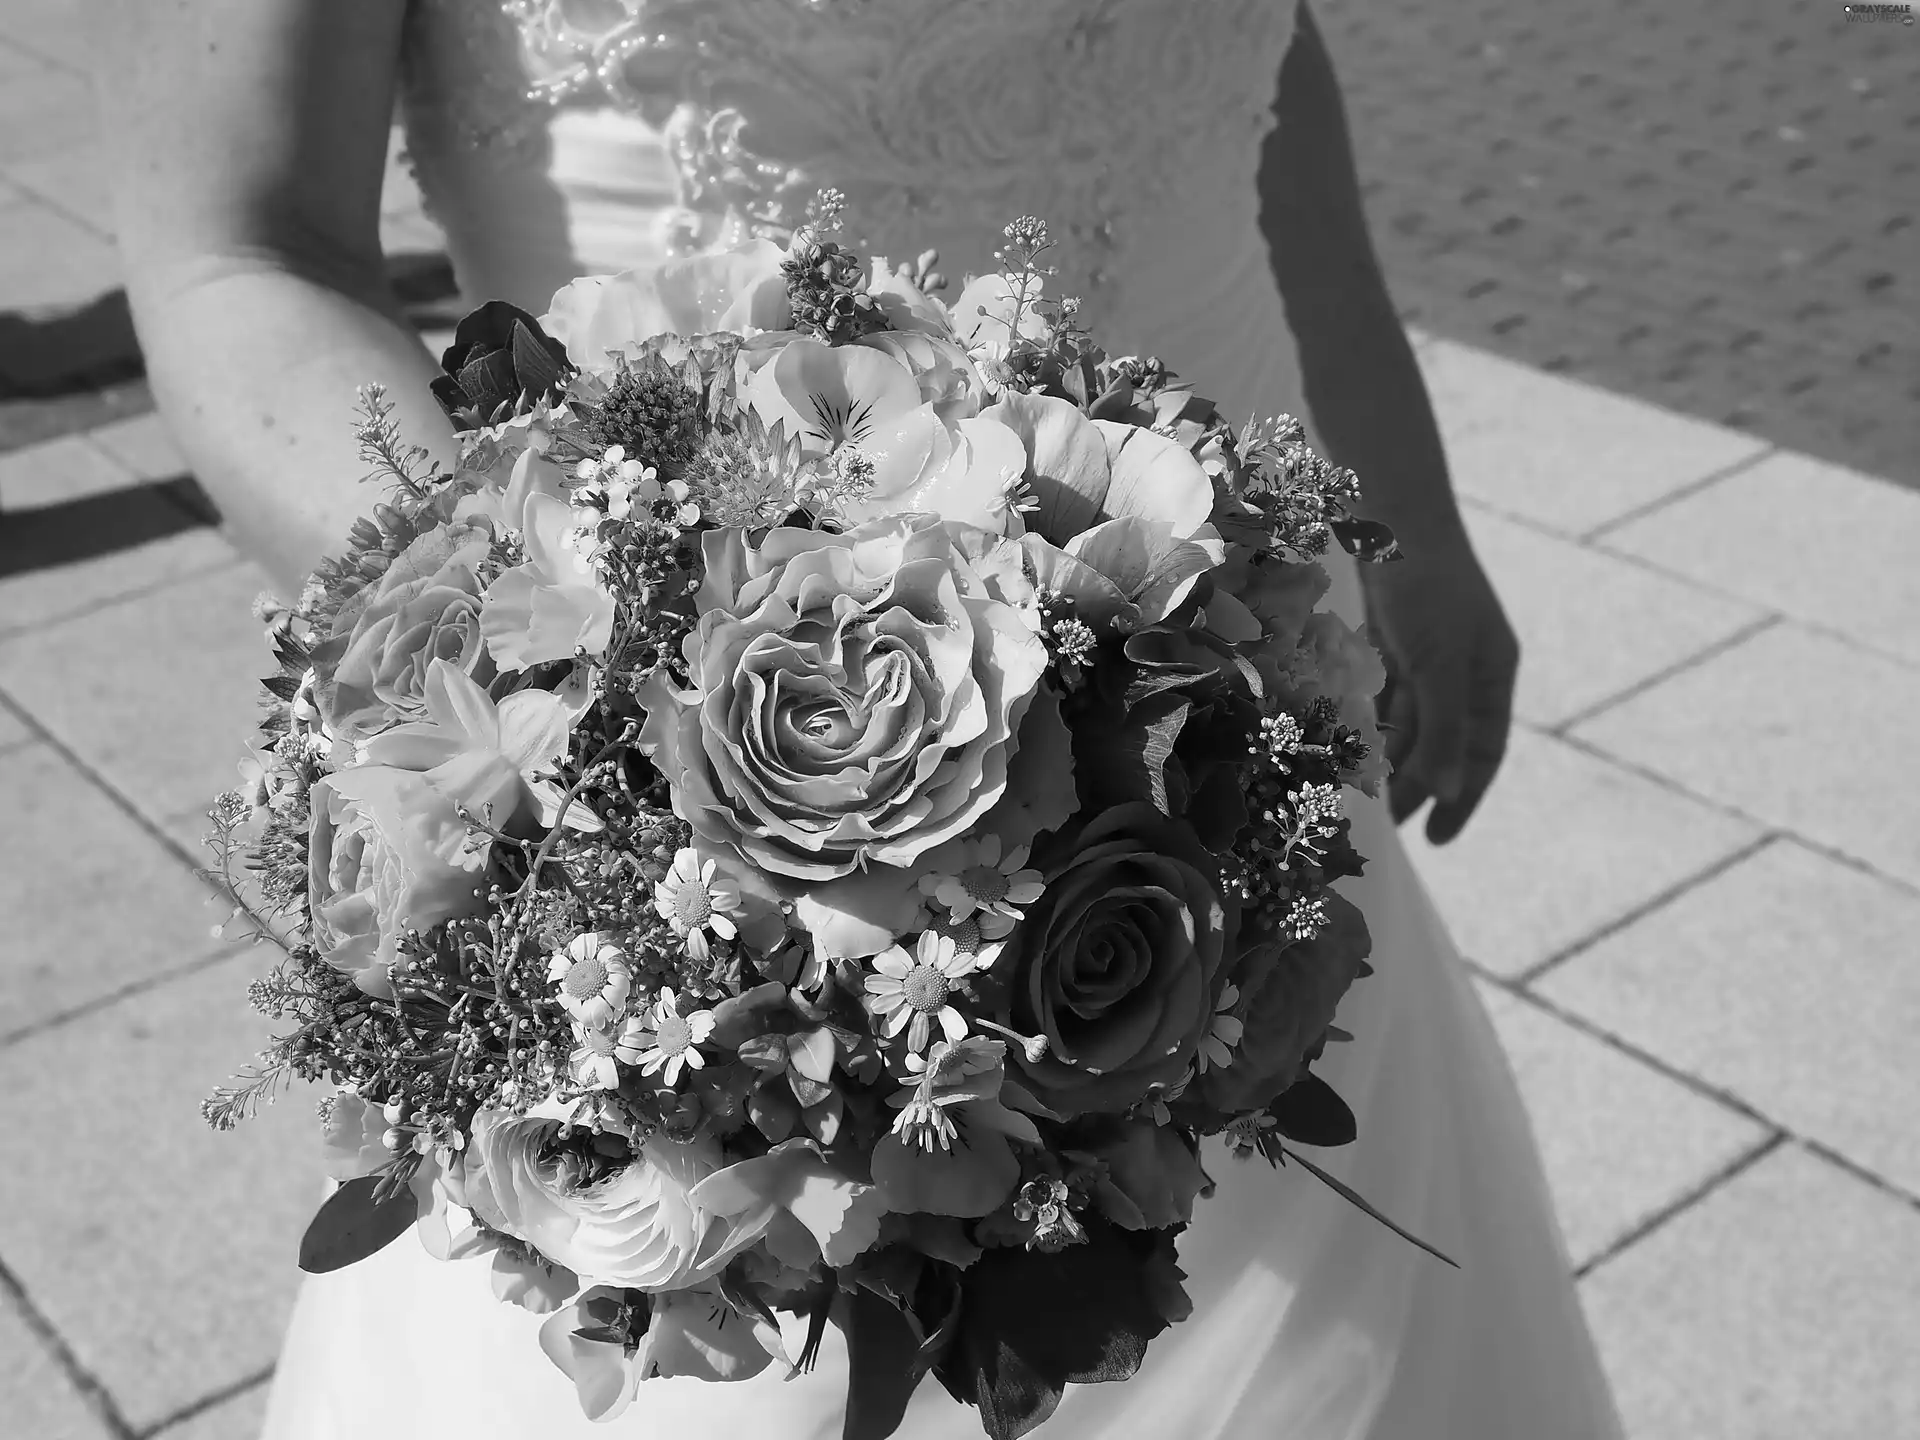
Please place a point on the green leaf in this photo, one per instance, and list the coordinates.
(1366, 540)
(1352, 1197)
(1311, 1112)
(882, 1347)
(352, 1225)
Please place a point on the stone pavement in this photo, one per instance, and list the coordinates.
(1687, 902)
(1709, 204)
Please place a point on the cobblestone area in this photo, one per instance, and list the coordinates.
(1709, 204)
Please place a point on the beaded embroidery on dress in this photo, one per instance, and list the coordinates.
(554, 138)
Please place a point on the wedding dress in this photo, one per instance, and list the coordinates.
(1134, 128)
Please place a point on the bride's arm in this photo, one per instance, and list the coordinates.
(247, 141)
(1435, 614)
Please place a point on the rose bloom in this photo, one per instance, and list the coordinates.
(387, 854)
(426, 607)
(639, 1227)
(740, 290)
(856, 697)
(1117, 963)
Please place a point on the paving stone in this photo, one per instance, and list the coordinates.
(237, 1418)
(54, 471)
(143, 444)
(1565, 455)
(72, 181)
(188, 655)
(1563, 845)
(1620, 1141)
(189, 1234)
(12, 733)
(1798, 729)
(54, 30)
(1778, 1308)
(1827, 545)
(48, 261)
(44, 109)
(1708, 206)
(93, 902)
(1591, 625)
(1787, 981)
(61, 561)
(31, 419)
(36, 1396)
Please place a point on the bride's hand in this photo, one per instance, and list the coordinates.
(1451, 658)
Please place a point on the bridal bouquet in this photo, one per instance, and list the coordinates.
(818, 813)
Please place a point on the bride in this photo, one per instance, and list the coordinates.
(1202, 219)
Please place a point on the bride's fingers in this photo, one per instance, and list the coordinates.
(1491, 720)
(1400, 730)
(1437, 765)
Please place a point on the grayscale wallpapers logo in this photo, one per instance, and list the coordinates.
(1879, 14)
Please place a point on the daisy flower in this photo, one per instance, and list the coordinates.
(592, 1063)
(594, 979)
(1216, 1046)
(666, 1041)
(910, 992)
(693, 901)
(970, 940)
(985, 884)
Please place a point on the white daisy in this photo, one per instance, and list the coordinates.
(983, 883)
(910, 992)
(693, 901)
(665, 1041)
(592, 1063)
(1216, 1046)
(594, 979)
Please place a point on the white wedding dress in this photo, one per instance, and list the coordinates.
(1133, 127)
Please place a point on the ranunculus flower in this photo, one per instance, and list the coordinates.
(499, 354)
(1084, 472)
(387, 854)
(639, 1227)
(856, 697)
(740, 290)
(1118, 962)
(554, 604)
(1288, 993)
(864, 401)
(947, 377)
(425, 607)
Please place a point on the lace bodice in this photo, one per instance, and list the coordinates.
(557, 136)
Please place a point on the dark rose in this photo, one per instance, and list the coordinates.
(499, 353)
(1116, 963)
(425, 607)
(1288, 994)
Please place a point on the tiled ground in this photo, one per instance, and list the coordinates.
(1690, 902)
(1709, 205)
